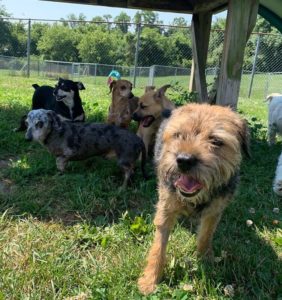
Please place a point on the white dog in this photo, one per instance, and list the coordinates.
(274, 117)
(277, 184)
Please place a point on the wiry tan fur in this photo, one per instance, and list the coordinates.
(215, 138)
(152, 103)
(123, 103)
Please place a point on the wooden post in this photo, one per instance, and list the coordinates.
(201, 26)
(241, 18)
(192, 86)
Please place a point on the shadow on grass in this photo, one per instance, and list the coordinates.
(88, 192)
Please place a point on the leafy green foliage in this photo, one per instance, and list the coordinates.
(180, 95)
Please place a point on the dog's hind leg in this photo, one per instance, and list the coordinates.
(277, 184)
(271, 134)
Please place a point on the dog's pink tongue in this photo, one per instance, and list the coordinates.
(188, 184)
(146, 121)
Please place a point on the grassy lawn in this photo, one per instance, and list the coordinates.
(74, 236)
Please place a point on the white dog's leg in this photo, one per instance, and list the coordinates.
(277, 184)
(271, 134)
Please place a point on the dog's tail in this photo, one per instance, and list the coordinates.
(143, 161)
(35, 86)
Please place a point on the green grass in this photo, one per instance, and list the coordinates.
(75, 235)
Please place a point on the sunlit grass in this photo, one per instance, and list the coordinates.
(75, 235)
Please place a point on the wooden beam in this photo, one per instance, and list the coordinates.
(200, 30)
(211, 6)
(192, 86)
(241, 18)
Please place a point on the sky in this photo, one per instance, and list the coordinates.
(36, 9)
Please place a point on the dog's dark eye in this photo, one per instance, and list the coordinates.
(216, 141)
(64, 88)
(39, 124)
(142, 106)
(177, 135)
(123, 87)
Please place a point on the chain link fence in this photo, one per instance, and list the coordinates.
(143, 54)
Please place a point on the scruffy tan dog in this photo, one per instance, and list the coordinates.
(123, 104)
(198, 154)
(149, 113)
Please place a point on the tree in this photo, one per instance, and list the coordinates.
(147, 17)
(153, 47)
(179, 51)
(37, 31)
(123, 19)
(59, 43)
(73, 21)
(100, 46)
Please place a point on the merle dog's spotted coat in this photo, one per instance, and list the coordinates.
(74, 141)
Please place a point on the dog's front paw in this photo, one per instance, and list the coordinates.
(146, 285)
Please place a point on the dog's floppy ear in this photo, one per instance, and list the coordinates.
(80, 85)
(166, 113)
(55, 120)
(244, 135)
(112, 85)
(161, 91)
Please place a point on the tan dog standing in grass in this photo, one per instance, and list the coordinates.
(123, 104)
(149, 113)
(198, 154)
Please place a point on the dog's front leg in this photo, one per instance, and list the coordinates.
(128, 171)
(164, 221)
(147, 139)
(61, 162)
(208, 223)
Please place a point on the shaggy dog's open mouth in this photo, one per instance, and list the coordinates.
(147, 121)
(60, 98)
(188, 186)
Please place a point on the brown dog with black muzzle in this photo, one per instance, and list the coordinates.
(123, 104)
(197, 154)
(150, 113)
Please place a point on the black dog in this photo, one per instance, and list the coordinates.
(64, 99)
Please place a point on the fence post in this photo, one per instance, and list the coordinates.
(95, 73)
(151, 75)
(254, 66)
(28, 49)
(136, 53)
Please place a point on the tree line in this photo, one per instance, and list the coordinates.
(108, 40)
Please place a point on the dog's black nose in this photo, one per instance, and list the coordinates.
(28, 136)
(186, 161)
(135, 117)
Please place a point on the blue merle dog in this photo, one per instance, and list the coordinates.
(78, 141)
